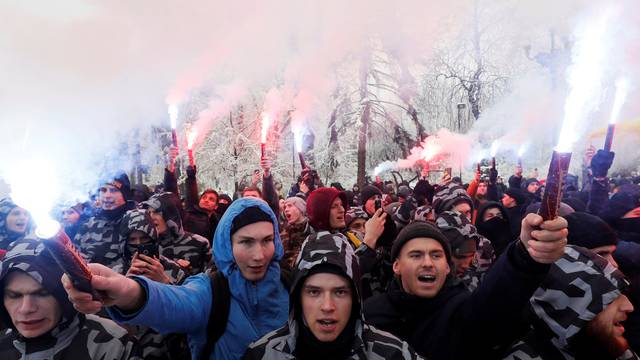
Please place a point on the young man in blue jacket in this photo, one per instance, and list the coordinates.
(247, 250)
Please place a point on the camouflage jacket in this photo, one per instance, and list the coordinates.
(156, 346)
(455, 224)
(153, 344)
(191, 247)
(171, 269)
(87, 337)
(99, 238)
(369, 343)
(75, 336)
(578, 287)
(175, 243)
(140, 220)
(525, 351)
(292, 238)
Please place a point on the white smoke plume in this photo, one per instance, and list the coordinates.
(532, 111)
(84, 80)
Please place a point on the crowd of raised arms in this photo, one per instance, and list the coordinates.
(385, 270)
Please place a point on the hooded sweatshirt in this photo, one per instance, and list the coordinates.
(578, 287)
(83, 210)
(7, 236)
(496, 229)
(139, 220)
(329, 253)
(76, 336)
(625, 200)
(256, 307)
(458, 229)
(374, 263)
(153, 345)
(99, 237)
(176, 243)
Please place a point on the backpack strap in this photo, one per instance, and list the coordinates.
(221, 305)
(219, 314)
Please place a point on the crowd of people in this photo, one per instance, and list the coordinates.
(417, 270)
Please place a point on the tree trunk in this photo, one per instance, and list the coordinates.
(334, 147)
(475, 88)
(365, 119)
(362, 144)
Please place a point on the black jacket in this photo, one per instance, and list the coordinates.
(194, 219)
(457, 324)
(516, 214)
(270, 195)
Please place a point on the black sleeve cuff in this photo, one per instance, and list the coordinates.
(522, 261)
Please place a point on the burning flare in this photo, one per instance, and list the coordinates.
(191, 138)
(495, 146)
(173, 116)
(27, 177)
(297, 138)
(585, 78)
(622, 88)
(266, 120)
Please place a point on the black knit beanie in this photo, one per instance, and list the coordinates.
(589, 231)
(368, 192)
(248, 216)
(518, 195)
(418, 230)
(122, 183)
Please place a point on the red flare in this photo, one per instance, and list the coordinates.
(68, 258)
(558, 168)
(609, 139)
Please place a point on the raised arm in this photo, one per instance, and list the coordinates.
(140, 301)
(269, 193)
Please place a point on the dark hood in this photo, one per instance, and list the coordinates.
(326, 250)
(497, 230)
(626, 199)
(28, 255)
(490, 205)
(326, 253)
(578, 287)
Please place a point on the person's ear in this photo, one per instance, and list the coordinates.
(396, 267)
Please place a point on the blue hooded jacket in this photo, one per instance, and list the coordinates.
(257, 308)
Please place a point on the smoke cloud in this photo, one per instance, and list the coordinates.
(84, 80)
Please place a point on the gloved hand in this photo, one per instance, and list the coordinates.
(493, 175)
(191, 171)
(601, 162)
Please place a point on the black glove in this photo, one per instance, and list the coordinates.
(493, 175)
(309, 177)
(191, 171)
(601, 163)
